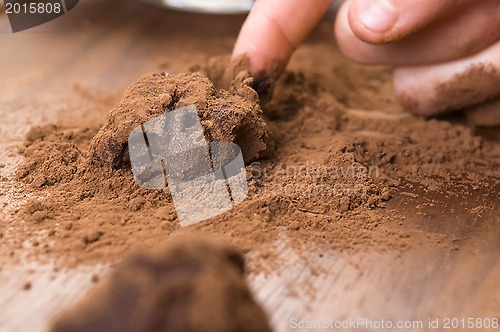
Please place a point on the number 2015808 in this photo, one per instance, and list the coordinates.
(33, 8)
(471, 323)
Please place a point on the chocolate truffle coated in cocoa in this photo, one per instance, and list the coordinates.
(192, 285)
(227, 116)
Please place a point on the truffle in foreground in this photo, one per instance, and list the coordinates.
(191, 285)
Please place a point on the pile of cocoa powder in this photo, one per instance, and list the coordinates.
(341, 147)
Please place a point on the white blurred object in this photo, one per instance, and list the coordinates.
(223, 6)
(209, 6)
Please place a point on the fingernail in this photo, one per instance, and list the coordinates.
(376, 15)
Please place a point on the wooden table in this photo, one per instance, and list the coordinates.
(99, 48)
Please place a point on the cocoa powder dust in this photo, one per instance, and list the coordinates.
(320, 168)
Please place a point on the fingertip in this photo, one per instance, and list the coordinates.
(257, 64)
(350, 45)
(264, 69)
(274, 29)
(262, 43)
(246, 47)
(408, 92)
(415, 89)
(373, 21)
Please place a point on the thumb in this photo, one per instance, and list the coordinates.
(383, 21)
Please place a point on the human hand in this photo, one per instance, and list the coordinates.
(275, 28)
(446, 53)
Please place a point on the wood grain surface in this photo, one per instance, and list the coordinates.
(99, 48)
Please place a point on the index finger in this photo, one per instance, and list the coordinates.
(275, 28)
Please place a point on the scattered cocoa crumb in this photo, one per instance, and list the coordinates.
(92, 237)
